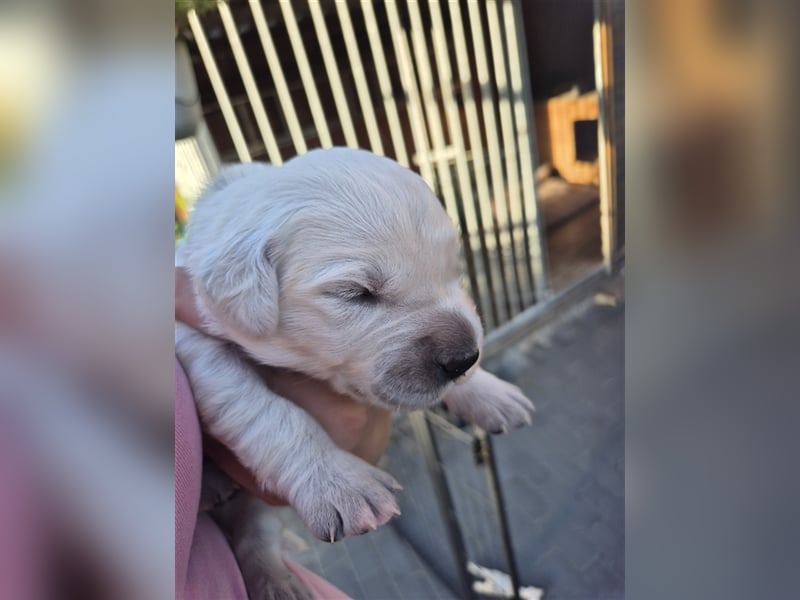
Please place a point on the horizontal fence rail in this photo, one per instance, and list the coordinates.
(441, 87)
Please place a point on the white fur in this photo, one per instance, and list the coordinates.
(278, 256)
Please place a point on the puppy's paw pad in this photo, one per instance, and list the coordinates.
(346, 497)
(505, 412)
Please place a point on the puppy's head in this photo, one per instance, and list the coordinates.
(341, 265)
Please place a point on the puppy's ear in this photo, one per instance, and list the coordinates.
(229, 257)
(241, 285)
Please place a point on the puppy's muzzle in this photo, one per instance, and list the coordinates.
(452, 345)
(416, 376)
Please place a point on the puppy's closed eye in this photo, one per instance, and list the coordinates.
(360, 295)
(354, 293)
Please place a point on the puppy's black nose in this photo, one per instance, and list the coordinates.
(455, 367)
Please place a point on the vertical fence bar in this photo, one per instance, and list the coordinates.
(306, 76)
(334, 78)
(239, 143)
(413, 103)
(509, 151)
(603, 76)
(503, 227)
(498, 502)
(253, 95)
(526, 143)
(281, 87)
(381, 69)
(427, 443)
(467, 196)
(478, 157)
(454, 207)
(362, 89)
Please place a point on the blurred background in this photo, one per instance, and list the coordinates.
(513, 112)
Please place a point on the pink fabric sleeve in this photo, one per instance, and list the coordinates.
(23, 544)
(205, 567)
(188, 469)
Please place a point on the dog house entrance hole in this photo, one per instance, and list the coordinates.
(586, 140)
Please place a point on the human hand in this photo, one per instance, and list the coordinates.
(357, 428)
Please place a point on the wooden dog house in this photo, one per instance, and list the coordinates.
(566, 133)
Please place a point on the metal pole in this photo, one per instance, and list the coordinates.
(452, 202)
(427, 443)
(498, 501)
(359, 79)
(603, 65)
(526, 129)
(217, 83)
(250, 84)
(522, 263)
(276, 69)
(332, 71)
(408, 80)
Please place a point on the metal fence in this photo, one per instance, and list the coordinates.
(442, 87)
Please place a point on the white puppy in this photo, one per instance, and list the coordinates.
(341, 265)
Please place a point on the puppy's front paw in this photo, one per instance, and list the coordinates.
(345, 496)
(490, 403)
